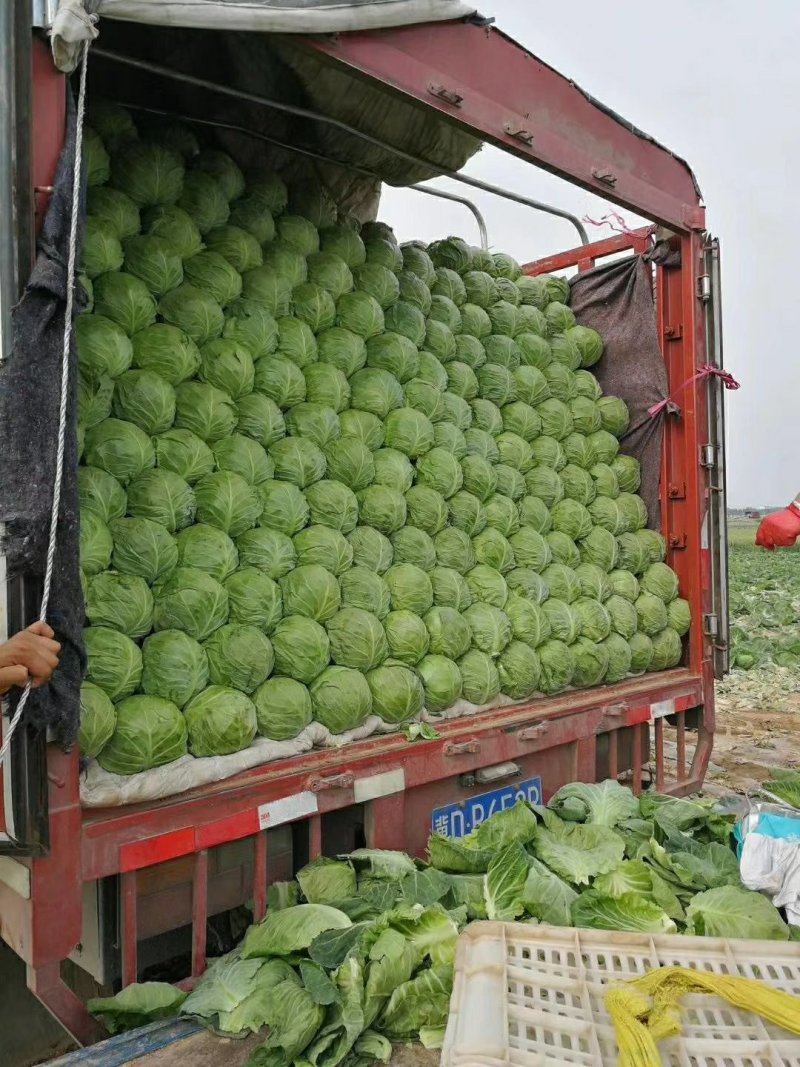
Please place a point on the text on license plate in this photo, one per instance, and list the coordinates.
(460, 819)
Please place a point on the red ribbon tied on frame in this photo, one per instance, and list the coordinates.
(615, 222)
(706, 371)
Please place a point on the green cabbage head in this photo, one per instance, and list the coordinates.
(97, 722)
(149, 732)
(283, 708)
(220, 721)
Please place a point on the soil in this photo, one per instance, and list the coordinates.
(414, 1056)
(757, 728)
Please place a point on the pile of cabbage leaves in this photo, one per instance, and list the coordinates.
(325, 477)
(358, 952)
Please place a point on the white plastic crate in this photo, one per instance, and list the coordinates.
(532, 996)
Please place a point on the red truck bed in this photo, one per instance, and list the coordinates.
(167, 856)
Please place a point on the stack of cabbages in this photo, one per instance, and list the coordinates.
(326, 477)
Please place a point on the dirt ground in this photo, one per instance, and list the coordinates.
(414, 1056)
(757, 728)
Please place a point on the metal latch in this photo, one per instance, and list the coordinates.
(615, 711)
(704, 287)
(612, 716)
(462, 748)
(336, 781)
(708, 456)
(450, 96)
(533, 733)
(518, 132)
(711, 626)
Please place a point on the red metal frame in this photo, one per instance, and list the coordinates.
(586, 257)
(480, 79)
(48, 107)
(504, 93)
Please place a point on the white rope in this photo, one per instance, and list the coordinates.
(62, 412)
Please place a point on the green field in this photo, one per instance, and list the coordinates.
(764, 602)
(741, 533)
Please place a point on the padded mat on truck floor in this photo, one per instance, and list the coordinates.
(199, 1048)
(163, 1045)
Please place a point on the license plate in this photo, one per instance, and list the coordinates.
(460, 819)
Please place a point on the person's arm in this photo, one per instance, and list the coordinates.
(781, 529)
(29, 656)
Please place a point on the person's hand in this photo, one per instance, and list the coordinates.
(30, 655)
(13, 676)
(779, 530)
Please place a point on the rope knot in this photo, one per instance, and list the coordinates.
(708, 370)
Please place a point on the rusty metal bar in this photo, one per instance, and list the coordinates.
(645, 753)
(259, 875)
(199, 912)
(659, 755)
(315, 837)
(680, 755)
(636, 760)
(613, 753)
(49, 987)
(129, 924)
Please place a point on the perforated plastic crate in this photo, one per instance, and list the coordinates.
(526, 996)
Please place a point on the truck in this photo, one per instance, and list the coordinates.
(97, 897)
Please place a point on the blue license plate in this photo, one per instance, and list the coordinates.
(460, 819)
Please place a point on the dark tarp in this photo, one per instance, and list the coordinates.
(283, 70)
(617, 301)
(30, 392)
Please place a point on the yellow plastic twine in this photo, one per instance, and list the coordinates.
(646, 1010)
(627, 1008)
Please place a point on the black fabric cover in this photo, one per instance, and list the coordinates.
(30, 390)
(617, 301)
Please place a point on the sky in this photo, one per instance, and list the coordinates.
(711, 83)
